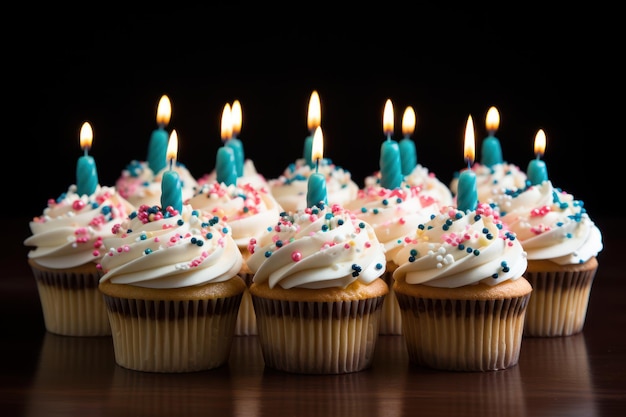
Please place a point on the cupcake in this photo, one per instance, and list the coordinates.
(290, 188)
(317, 291)
(67, 246)
(171, 289)
(461, 292)
(562, 244)
(247, 210)
(393, 214)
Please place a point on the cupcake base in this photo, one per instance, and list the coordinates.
(472, 328)
(70, 300)
(246, 318)
(173, 330)
(330, 331)
(558, 306)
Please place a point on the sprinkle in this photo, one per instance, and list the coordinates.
(296, 256)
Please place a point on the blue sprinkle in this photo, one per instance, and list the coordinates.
(148, 251)
(268, 254)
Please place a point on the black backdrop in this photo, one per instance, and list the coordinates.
(110, 66)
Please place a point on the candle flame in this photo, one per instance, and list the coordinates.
(314, 115)
(164, 111)
(408, 121)
(492, 121)
(172, 148)
(317, 152)
(388, 118)
(540, 142)
(227, 124)
(469, 146)
(86, 136)
(236, 117)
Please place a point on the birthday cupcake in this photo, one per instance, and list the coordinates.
(317, 291)
(171, 289)
(461, 292)
(562, 243)
(66, 245)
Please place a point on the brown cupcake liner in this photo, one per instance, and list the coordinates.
(391, 317)
(71, 303)
(318, 337)
(559, 301)
(172, 336)
(463, 335)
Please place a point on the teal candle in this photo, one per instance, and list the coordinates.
(390, 165)
(157, 148)
(225, 168)
(171, 191)
(308, 149)
(236, 145)
(537, 172)
(467, 192)
(171, 186)
(408, 155)
(86, 175)
(491, 152)
(86, 172)
(316, 194)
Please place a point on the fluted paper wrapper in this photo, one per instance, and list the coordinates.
(71, 303)
(311, 337)
(391, 318)
(558, 305)
(246, 319)
(463, 335)
(172, 336)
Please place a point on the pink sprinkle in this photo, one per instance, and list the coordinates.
(346, 246)
(296, 256)
(368, 244)
(78, 205)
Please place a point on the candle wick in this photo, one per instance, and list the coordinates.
(317, 165)
(86, 150)
(171, 164)
(469, 163)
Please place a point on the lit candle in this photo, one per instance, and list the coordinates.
(537, 171)
(226, 165)
(171, 187)
(408, 153)
(467, 193)
(491, 152)
(390, 165)
(314, 119)
(316, 194)
(234, 142)
(86, 172)
(157, 148)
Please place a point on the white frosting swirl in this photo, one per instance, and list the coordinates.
(247, 209)
(69, 233)
(317, 248)
(550, 224)
(493, 181)
(290, 188)
(420, 177)
(455, 249)
(170, 250)
(393, 213)
(139, 185)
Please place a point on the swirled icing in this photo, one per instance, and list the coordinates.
(317, 248)
(550, 223)
(70, 231)
(170, 250)
(455, 249)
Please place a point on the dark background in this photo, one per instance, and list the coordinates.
(110, 65)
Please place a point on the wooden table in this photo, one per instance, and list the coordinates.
(48, 375)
